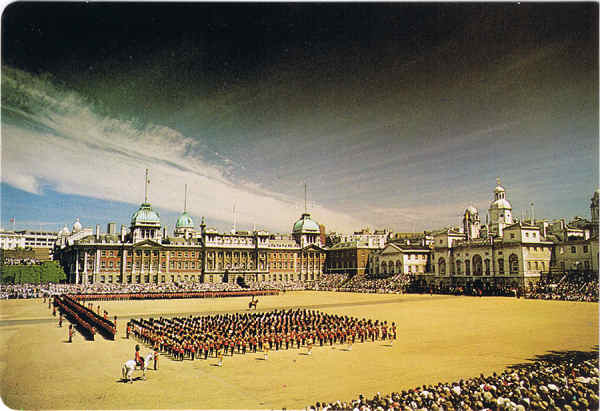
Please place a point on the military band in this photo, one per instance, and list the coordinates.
(229, 334)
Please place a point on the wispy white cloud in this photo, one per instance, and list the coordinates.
(57, 136)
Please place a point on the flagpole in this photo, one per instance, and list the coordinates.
(146, 187)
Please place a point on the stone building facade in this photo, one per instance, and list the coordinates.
(147, 254)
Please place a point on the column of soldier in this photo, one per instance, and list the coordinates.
(226, 334)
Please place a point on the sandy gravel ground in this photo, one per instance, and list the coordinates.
(441, 338)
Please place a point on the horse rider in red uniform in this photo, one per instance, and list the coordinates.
(138, 358)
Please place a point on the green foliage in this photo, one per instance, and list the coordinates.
(48, 272)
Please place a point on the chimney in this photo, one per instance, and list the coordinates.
(122, 233)
(97, 232)
(164, 232)
(112, 228)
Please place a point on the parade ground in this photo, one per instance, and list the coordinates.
(440, 338)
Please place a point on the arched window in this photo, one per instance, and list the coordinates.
(458, 267)
(500, 266)
(398, 267)
(384, 267)
(442, 265)
(467, 267)
(513, 262)
(477, 265)
(487, 266)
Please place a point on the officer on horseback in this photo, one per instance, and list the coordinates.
(138, 358)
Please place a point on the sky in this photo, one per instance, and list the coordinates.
(395, 115)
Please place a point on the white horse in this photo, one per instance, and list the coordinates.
(129, 367)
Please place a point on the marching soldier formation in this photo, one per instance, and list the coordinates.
(226, 334)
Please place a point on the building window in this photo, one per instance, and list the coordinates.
(585, 248)
(162, 278)
(573, 249)
(513, 262)
(501, 266)
(103, 253)
(512, 235)
(442, 264)
(526, 234)
(103, 264)
(110, 264)
(477, 265)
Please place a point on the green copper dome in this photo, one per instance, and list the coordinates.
(306, 225)
(184, 221)
(145, 215)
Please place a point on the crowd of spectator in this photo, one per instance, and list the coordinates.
(328, 282)
(20, 261)
(574, 287)
(563, 381)
(391, 285)
(469, 289)
(398, 283)
(20, 291)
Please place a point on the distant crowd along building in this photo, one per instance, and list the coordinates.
(147, 254)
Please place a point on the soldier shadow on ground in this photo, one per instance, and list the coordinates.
(558, 357)
(125, 381)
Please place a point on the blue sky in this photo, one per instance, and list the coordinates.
(390, 124)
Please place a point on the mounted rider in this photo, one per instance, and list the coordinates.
(138, 358)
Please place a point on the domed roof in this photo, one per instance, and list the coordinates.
(145, 215)
(64, 231)
(499, 189)
(77, 226)
(472, 210)
(501, 203)
(184, 221)
(306, 225)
